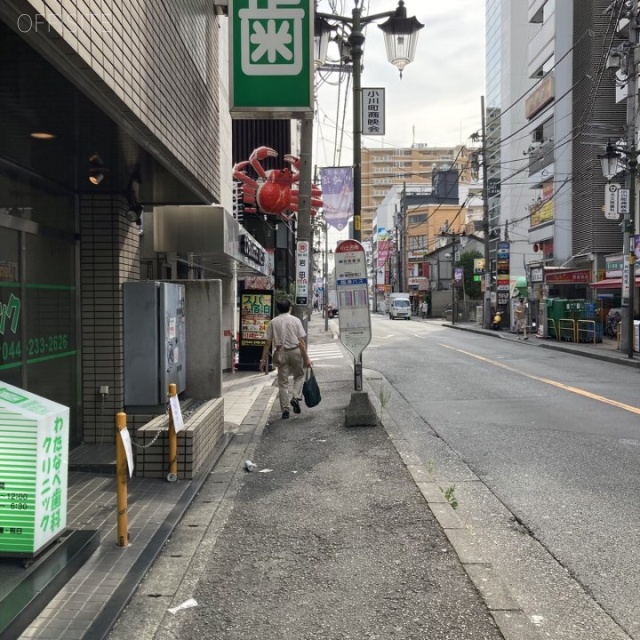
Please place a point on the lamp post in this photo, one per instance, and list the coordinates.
(401, 37)
(610, 162)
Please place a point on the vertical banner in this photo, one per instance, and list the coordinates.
(337, 195)
(503, 277)
(302, 272)
(373, 112)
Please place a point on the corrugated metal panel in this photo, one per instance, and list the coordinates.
(596, 120)
(248, 135)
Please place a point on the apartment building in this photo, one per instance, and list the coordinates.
(383, 168)
(508, 139)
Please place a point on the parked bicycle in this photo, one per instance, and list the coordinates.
(614, 317)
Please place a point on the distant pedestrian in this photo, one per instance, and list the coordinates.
(286, 333)
(424, 308)
(520, 313)
(496, 322)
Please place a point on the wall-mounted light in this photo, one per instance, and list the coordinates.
(134, 206)
(96, 169)
(43, 135)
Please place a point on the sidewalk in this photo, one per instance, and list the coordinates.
(346, 537)
(607, 350)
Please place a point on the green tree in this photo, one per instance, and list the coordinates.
(471, 288)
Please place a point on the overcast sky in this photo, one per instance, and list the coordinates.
(437, 102)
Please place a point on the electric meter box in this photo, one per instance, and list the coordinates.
(154, 343)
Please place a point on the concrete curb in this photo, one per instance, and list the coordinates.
(506, 612)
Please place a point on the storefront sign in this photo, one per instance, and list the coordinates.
(541, 96)
(271, 52)
(353, 297)
(626, 281)
(582, 276)
(34, 460)
(252, 250)
(256, 311)
(536, 275)
(373, 112)
(503, 277)
(422, 284)
(302, 272)
(611, 201)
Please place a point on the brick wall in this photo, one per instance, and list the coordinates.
(109, 256)
(203, 433)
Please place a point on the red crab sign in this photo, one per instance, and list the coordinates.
(275, 191)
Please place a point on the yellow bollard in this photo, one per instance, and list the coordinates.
(172, 476)
(121, 482)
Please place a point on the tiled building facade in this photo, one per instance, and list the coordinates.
(134, 96)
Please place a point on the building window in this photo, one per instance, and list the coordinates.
(417, 242)
(418, 218)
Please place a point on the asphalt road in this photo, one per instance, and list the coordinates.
(542, 450)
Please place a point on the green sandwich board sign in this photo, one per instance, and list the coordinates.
(34, 460)
(271, 57)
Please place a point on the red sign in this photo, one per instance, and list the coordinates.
(582, 276)
(349, 245)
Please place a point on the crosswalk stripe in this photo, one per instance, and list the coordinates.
(325, 352)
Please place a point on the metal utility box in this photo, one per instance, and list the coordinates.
(154, 343)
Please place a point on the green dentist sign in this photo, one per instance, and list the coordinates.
(271, 54)
(34, 459)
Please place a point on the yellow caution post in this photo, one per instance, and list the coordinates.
(121, 482)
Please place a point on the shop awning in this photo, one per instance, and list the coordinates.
(611, 283)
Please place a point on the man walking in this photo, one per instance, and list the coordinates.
(520, 313)
(287, 334)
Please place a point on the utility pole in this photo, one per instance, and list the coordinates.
(304, 204)
(630, 216)
(405, 253)
(486, 309)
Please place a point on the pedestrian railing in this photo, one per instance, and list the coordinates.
(567, 328)
(587, 331)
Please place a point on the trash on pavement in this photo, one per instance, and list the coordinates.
(265, 471)
(187, 604)
(250, 466)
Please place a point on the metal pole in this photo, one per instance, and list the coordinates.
(356, 40)
(453, 281)
(633, 166)
(325, 289)
(403, 231)
(629, 218)
(486, 313)
(304, 194)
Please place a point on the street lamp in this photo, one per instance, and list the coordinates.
(401, 38)
(611, 165)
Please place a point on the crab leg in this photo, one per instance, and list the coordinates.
(260, 154)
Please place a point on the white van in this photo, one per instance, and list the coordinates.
(400, 308)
